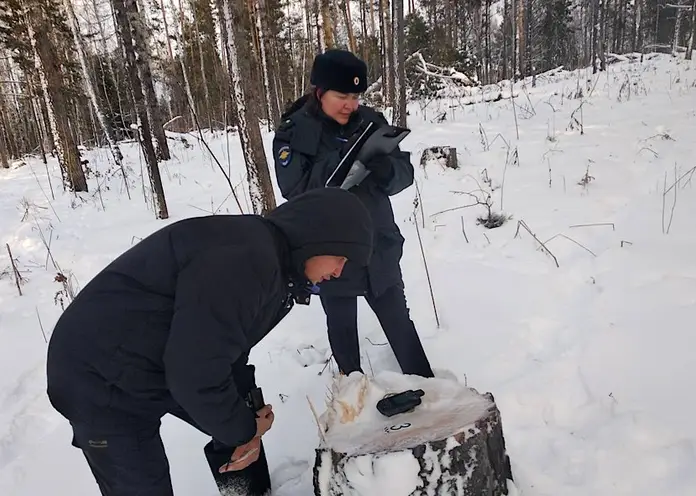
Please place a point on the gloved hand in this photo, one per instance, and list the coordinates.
(381, 168)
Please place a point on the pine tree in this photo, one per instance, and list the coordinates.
(555, 33)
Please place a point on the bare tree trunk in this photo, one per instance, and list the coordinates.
(513, 25)
(34, 102)
(124, 31)
(384, 52)
(258, 175)
(204, 77)
(373, 27)
(142, 60)
(400, 80)
(170, 52)
(308, 23)
(271, 114)
(681, 11)
(692, 40)
(89, 86)
(528, 16)
(636, 25)
(363, 28)
(521, 34)
(48, 67)
(4, 161)
(602, 35)
(389, 51)
(326, 24)
(105, 51)
(321, 38)
(594, 18)
(349, 26)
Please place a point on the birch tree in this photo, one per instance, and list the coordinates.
(692, 40)
(139, 38)
(89, 86)
(400, 73)
(124, 30)
(239, 55)
(4, 155)
(40, 18)
(271, 114)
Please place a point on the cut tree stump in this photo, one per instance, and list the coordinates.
(445, 156)
(452, 444)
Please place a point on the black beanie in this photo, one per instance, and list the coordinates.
(325, 221)
(339, 70)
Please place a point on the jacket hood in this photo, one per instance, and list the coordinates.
(325, 221)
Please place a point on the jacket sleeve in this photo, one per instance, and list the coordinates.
(218, 295)
(393, 173)
(297, 172)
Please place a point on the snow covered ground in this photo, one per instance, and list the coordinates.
(592, 360)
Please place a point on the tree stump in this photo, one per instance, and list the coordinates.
(445, 156)
(451, 444)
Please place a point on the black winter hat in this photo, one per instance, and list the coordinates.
(339, 70)
(325, 221)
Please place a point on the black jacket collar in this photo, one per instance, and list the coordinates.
(294, 280)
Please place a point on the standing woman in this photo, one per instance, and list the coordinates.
(314, 135)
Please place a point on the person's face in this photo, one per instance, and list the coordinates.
(339, 106)
(324, 267)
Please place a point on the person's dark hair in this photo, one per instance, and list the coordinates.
(309, 99)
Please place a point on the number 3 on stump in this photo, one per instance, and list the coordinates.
(397, 427)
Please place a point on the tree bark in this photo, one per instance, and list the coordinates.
(400, 79)
(89, 86)
(124, 32)
(271, 114)
(326, 24)
(692, 40)
(142, 60)
(48, 67)
(4, 156)
(258, 175)
(349, 26)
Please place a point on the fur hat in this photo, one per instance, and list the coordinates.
(339, 70)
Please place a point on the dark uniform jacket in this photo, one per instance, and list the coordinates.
(169, 324)
(307, 148)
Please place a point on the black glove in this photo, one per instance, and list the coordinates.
(381, 168)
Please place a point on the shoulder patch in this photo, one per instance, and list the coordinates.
(284, 155)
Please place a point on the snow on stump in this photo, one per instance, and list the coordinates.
(445, 156)
(451, 444)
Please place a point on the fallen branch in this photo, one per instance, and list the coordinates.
(613, 227)
(18, 276)
(571, 239)
(523, 224)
